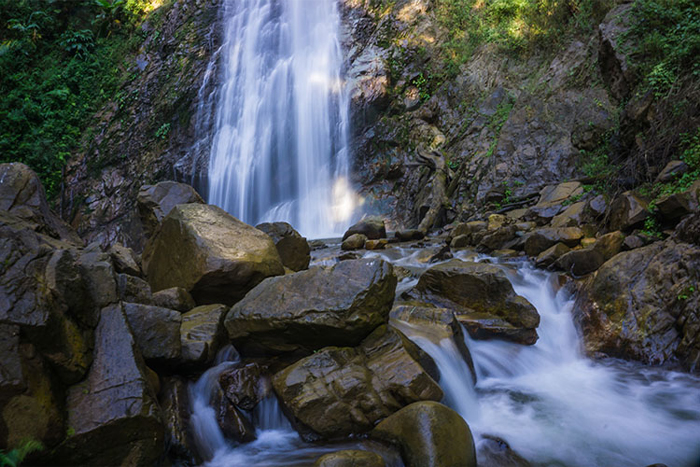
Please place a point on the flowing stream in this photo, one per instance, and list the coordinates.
(550, 403)
(280, 147)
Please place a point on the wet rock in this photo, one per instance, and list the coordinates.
(428, 433)
(233, 423)
(133, 289)
(641, 305)
(175, 298)
(409, 235)
(124, 260)
(461, 241)
(212, 255)
(550, 255)
(175, 405)
(350, 458)
(541, 239)
(627, 211)
(311, 309)
(246, 386)
(339, 391)
(376, 244)
(354, 242)
(202, 334)
(293, 249)
(435, 324)
(156, 201)
(156, 331)
(372, 227)
(115, 402)
(671, 171)
(23, 196)
(482, 298)
(495, 452)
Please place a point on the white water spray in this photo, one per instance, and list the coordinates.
(280, 149)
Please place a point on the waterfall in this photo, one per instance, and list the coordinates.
(280, 147)
(556, 407)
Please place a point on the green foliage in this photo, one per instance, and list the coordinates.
(514, 25)
(652, 227)
(163, 131)
(15, 457)
(686, 293)
(423, 86)
(60, 63)
(664, 37)
(497, 121)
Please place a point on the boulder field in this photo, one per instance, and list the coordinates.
(98, 342)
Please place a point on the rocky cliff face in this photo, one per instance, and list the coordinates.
(148, 132)
(508, 126)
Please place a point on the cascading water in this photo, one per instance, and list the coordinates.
(280, 146)
(557, 408)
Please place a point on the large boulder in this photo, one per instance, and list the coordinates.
(311, 309)
(371, 227)
(688, 230)
(156, 331)
(211, 254)
(115, 402)
(339, 391)
(156, 201)
(642, 305)
(428, 433)
(293, 249)
(482, 298)
(202, 334)
(22, 195)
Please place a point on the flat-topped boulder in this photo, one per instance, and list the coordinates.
(339, 391)
(209, 253)
(482, 298)
(312, 309)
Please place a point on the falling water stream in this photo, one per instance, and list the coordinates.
(280, 147)
(553, 406)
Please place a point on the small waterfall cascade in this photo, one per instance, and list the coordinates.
(550, 403)
(556, 407)
(280, 145)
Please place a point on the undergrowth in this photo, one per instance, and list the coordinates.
(60, 62)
